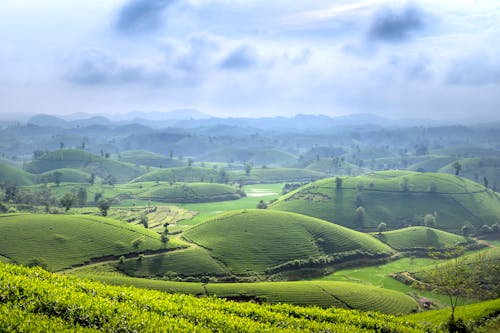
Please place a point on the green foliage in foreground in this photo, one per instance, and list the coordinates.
(257, 240)
(412, 238)
(32, 300)
(398, 198)
(192, 192)
(305, 293)
(473, 314)
(65, 240)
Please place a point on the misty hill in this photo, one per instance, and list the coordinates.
(255, 156)
(10, 175)
(144, 157)
(79, 159)
(398, 198)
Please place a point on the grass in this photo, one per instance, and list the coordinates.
(148, 158)
(192, 192)
(79, 159)
(180, 174)
(62, 241)
(68, 175)
(454, 199)
(38, 301)
(475, 313)
(477, 168)
(189, 262)
(416, 238)
(432, 164)
(12, 175)
(277, 175)
(256, 240)
(305, 293)
(266, 156)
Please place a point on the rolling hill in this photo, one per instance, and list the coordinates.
(421, 238)
(61, 241)
(398, 198)
(14, 176)
(272, 241)
(79, 159)
(257, 156)
(144, 157)
(477, 169)
(67, 175)
(181, 174)
(192, 192)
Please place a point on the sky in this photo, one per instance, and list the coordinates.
(253, 58)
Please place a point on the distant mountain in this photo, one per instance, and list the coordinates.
(46, 120)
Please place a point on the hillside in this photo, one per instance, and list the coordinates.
(256, 156)
(420, 238)
(61, 241)
(477, 169)
(192, 192)
(181, 174)
(278, 175)
(271, 241)
(12, 175)
(79, 159)
(144, 157)
(398, 198)
(34, 300)
(432, 164)
(67, 175)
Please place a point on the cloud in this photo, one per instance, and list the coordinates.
(242, 58)
(396, 24)
(141, 16)
(98, 67)
(476, 69)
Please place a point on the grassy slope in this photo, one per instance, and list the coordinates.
(432, 164)
(191, 192)
(189, 262)
(259, 157)
(420, 237)
(79, 159)
(181, 174)
(456, 200)
(305, 293)
(37, 301)
(255, 240)
(65, 240)
(278, 175)
(12, 175)
(68, 175)
(144, 157)
(477, 168)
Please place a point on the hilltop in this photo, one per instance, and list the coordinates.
(398, 198)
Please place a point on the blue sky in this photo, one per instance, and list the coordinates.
(400, 59)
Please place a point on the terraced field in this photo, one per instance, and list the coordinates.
(192, 192)
(398, 198)
(414, 238)
(256, 240)
(144, 157)
(180, 174)
(306, 293)
(190, 262)
(65, 240)
(278, 175)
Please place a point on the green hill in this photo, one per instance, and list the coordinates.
(144, 157)
(12, 175)
(413, 238)
(334, 167)
(432, 164)
(398, 198)
(183, 174)
(192, 192)
(34, 300)
(67, 175)
(250, 241)
(278, 175)
(257, 156)
(79, 159)
(476, 169)
(65, 240)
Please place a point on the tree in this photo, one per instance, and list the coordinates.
(468, 229)
(109, 180)
(82, 196)
(462, 276)
(430, 220)
(104, 205)
(144, 220)
(190, 162)
(92, 179)
(248, 169)
(485, 181)
(261, 205)
(382, 227)
(359, 215)
(458, 167)
(57, 177)
(164, 239)
(338, 182)
(67, 201)
(405, 185)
